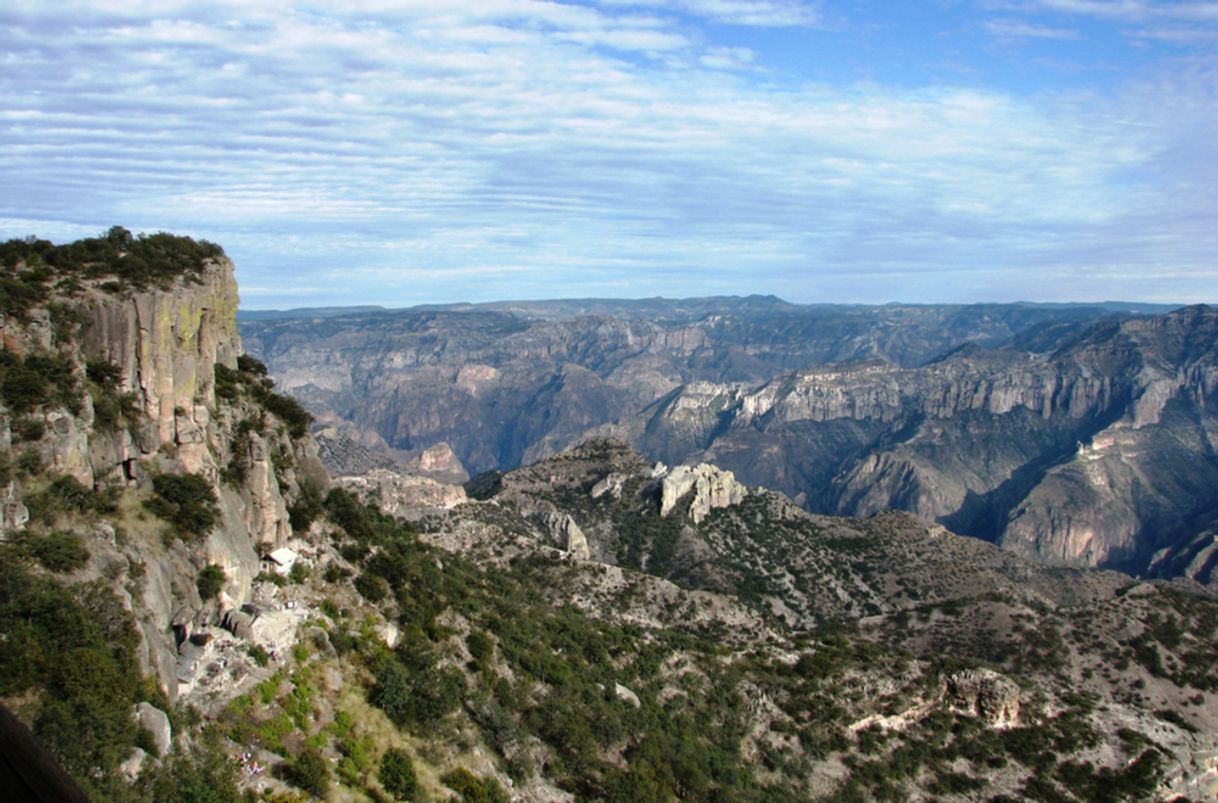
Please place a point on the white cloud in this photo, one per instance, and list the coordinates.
(1137, 10)
(1019, 29)
(511, 144)
(756, 13)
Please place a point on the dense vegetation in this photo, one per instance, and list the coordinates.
(77, 645)
(250, 380)
(187, 501)
(32, 269)
(37, 380)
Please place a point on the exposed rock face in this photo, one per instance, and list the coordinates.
(1067, 433)
(712, 487)
(986, 694)
(568, 533)
(163, 345)
(166, 344)
(1098, 452)
(402, 494)
(157, 723)
(506, 384)
(439, 463)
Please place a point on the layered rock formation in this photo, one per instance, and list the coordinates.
(506, 384)
(712, 487)
(401, 494)
(159, 349)
(1099, 452)
(1063, 432)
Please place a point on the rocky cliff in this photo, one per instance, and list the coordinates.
(592, 626)
(1070, 433)
(1098, 452)
(133, 397)
(506, 384)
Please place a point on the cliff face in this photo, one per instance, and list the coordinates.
(1060, 432)
(156, 353)
(1099, 452)
(166, 344)
(506, 384)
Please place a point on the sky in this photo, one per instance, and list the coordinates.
(401, 152)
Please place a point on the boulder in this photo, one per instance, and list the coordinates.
(626, 695)
(239, 623)
(133, 766)
(156, 722)
(984, 693)
(712, 487)
(568, 533)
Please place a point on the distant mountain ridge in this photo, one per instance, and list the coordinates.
(994, 419)
(661, 308)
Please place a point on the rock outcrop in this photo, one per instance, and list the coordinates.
(568, 533)
(986, 694)
(1097, 452)
(156, 722)
(401, 494)
(440, 463)
(152, 354)
(712, 488)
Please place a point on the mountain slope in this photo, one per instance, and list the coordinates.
(1099, 452)
(508, 383)
(188, 613)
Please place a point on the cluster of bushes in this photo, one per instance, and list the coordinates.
(38, 380)
(187, 501)
(67, 494)
(57, 551)
(566, 667)
(250, 379)
(29, 266)
(1185, 626)
(77, 647)
(473, 789)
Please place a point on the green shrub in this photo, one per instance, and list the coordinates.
(259, 654)
(57, 551)
(290, 412)
(228, 382)
(310, 771)
(23, 388)
(481, 648)
(473, 789)
(29, 462)
(300, 572)
(372, 587)
(251, 365)
(397, 774)
(67, 495)
(335, 573)
(110, 407)
(29, 429)
(210, 581)
(185, 500)
(306, 508)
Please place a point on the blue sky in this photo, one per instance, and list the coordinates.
(410, 151)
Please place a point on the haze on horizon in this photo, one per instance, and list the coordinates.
(404, 152)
